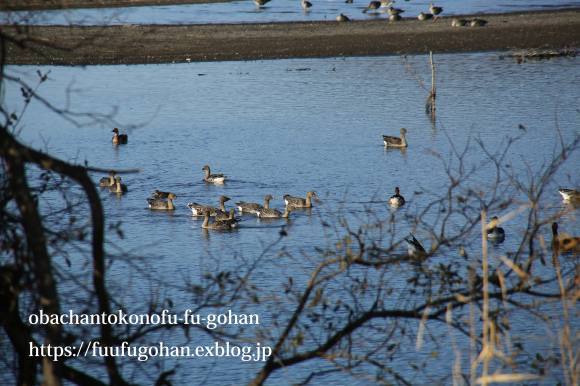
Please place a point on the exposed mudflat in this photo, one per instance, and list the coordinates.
(130, 44)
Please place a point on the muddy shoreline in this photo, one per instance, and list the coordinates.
(140, 44)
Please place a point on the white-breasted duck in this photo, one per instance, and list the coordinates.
(414, 247)
(342, 18)
(261, 3)
(252, 207)
(396, 200)
(400, 142)
(118, 187)
(299, 202)
(119, 139)
(477, 23)
(424, 16)
(495, 233)
(161, 203)
(201, 210)
(305, 4)
(212, 178)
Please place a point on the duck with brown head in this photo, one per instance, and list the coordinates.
(253, 207)
(119, 139)
(217, 225)
(400, 142)
(201, 210)
(299, 202)
(212, 178)
(162, 204)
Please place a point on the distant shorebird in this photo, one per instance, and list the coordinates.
(477, 23)
(342, 17)
(458, 23)
(394, 17)
(261, 3)
(373, 6)
(306, 5)
(435, 10)
(394, 11)
(424, 16)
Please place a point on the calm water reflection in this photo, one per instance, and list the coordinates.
(290, 126)
(275, 11)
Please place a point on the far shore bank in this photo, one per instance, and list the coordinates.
(140, 44)
(37, 5)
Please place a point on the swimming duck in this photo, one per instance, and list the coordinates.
(477, 23)
(342, 18)
(394, 11)
(390, 141)
(305, 4)
(373, 5)
(349, 1)
(273, 213)
(435, 10)
(159, 194)
(229, 218)
(218, 225)
(118, 187)
(162, 204)
(261, 3)
(495, 233)
(386, 3)
(424, 16)
(458, 23)
(212, 178)
(119, 139)
(252, 207)
(200, 210)
(105, 182)
(299, 202)
(563, 243)
(414, 247)
(569, 195)
(396, 200)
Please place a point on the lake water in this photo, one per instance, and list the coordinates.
(290, 126)
(275, 11)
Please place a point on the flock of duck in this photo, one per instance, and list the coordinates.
(225, 219)
(386, 6)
